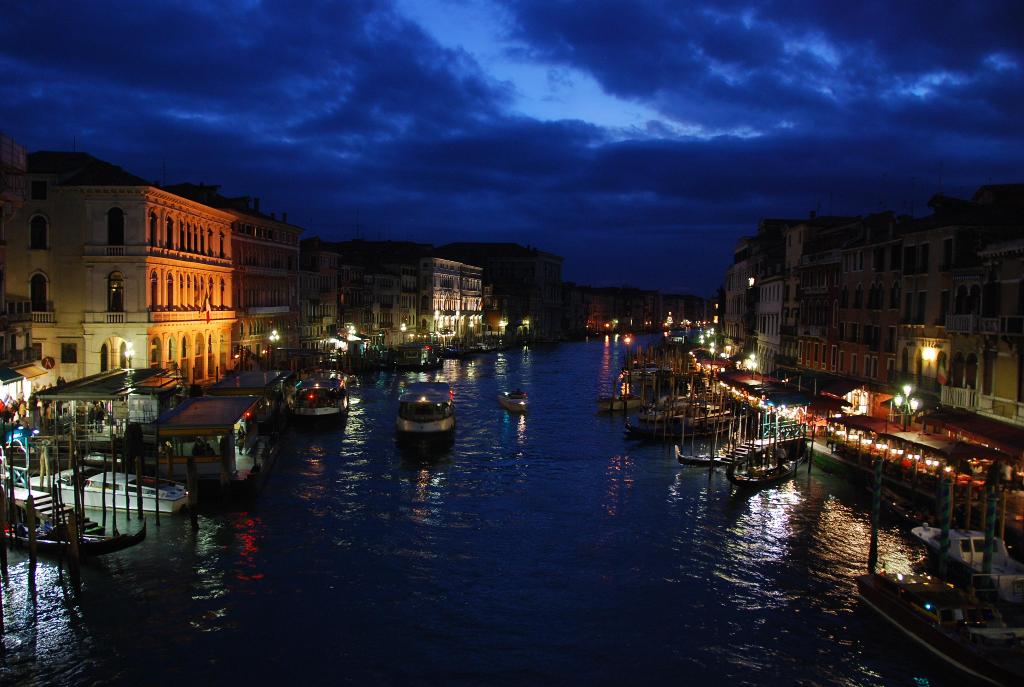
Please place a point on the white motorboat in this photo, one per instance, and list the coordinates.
(426, 411)
(514, 401)
(172, 496)
(320, 396)
(967, 552)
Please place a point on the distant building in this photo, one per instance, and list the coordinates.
(318, 295)
(451, 299)
(526, 287)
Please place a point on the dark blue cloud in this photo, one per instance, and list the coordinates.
(349, 112)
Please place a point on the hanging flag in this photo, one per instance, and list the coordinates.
(206, 306)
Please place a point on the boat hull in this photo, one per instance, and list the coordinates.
(90, 545)
(769, 478)
(618, 404)
(931, 637)
(94, 500)
(513, 405)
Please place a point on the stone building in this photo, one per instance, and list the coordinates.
(265, 259)
(120, 272)
(16, 346)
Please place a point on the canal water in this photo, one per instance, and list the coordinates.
(539, 550)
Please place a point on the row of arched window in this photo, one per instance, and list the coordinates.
(185, 236)
(177, 290)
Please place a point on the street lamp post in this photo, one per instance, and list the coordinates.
(129, 353)
(274, 338)
(905, 406)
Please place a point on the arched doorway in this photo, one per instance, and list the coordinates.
(104, 358)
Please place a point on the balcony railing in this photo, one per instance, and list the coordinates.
(962, 324)
(44, 317)
(189, 315)
(956, 397)
(812, 330)
(268, 310)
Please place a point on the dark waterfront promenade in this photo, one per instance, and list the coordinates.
(545, 549)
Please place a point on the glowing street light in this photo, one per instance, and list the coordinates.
(274, 338)
(905, 405)
(129, 353)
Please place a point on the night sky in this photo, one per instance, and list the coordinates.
(638, 139)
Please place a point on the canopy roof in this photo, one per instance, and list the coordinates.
(1005, 437)
(8, 375)
(107, 386)
(839, 387)
(253, 383)
(953, 449)
(206, 415)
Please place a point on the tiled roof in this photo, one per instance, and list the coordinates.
(81, 169)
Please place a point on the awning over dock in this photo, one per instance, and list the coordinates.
(254, 383)
(206, 415)
(106, 386)
(1000, 435)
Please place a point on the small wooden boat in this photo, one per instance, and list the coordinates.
(55, 541)
(618, 404)
(749, 475)
(673, 429)
(514, 401)
(703, 460)
(969, 635)
(667, 408)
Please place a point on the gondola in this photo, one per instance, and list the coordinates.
(704, 460)
(655, 432)
(53, 543)
(756, 478)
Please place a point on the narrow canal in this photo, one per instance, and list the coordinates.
(546, 549)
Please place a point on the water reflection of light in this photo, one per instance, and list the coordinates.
(620, 479)
(521, 429)
(427, 501)
(766, 529)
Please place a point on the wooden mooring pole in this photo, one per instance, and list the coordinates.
(3, 533)
(193, 492)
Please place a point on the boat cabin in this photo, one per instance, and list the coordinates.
(416, 356)
(425, 402)
(221, 434)
(275, 387)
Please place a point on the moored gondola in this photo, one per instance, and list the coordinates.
(55, 541)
